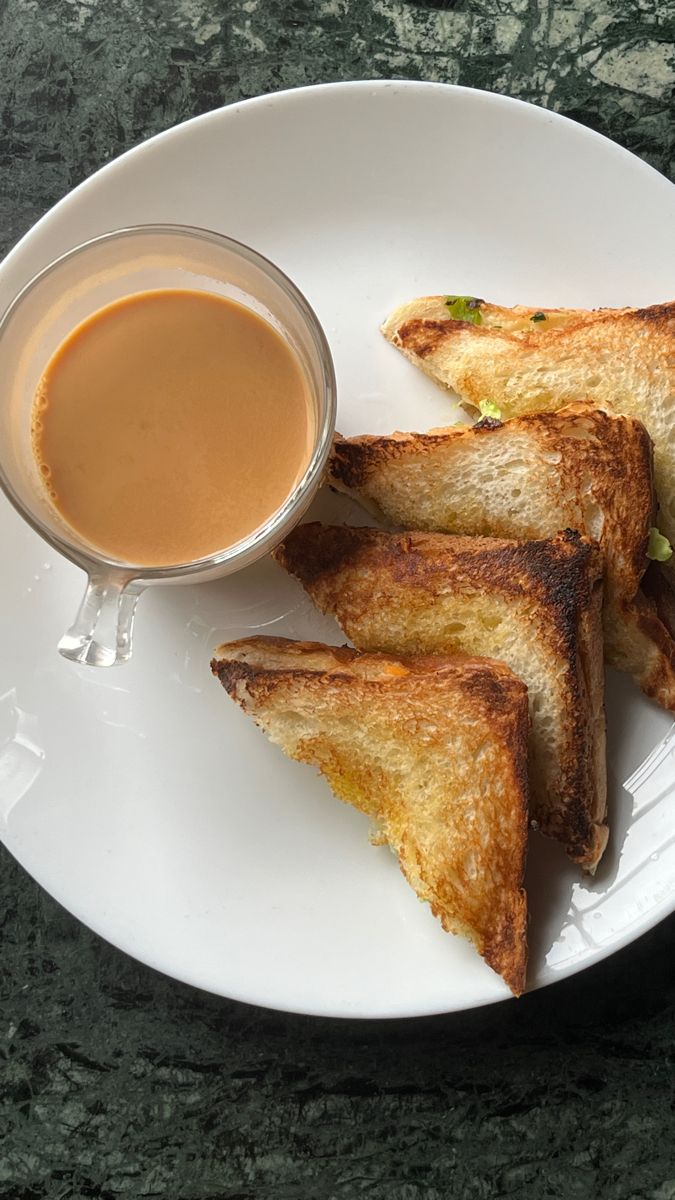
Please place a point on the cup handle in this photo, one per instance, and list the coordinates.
(100, 635)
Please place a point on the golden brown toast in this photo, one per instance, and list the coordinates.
(580, 468)
(433, 749)
(534, 605)
(619, 359)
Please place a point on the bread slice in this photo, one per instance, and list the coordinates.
(534, 605)
(657, 587)
(619, 359)
(434, 750)
(580, 468)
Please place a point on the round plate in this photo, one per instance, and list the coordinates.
(140, 797)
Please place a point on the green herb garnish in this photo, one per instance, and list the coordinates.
(464, 308)
(488, 408)
(538, 316)
(659, 547)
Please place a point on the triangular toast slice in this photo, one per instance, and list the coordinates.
(434, 750)
(534, 605)
(580, 468)
(533, 360)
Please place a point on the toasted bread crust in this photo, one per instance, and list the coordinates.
(578, 444)
(270, 677)
(517, 319)
(658, 588)
(651, 650)
(592, 465)
(378, 584)
(516, 323)
(482, 680)
(619, 359)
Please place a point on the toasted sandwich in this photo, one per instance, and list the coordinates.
(527, 360)
(434, 750)
(534, 605)
(530, 477)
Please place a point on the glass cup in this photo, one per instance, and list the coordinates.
(98, 272)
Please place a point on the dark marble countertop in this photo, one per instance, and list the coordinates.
(117, 1082)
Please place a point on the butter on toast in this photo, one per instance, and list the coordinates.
(579, 468)
(534, 605)
(527, 360)
(434, 750)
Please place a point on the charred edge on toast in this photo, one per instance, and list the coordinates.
(509, 945)
(231, 672)
(612, 463)
(343, 654)
(653, 610)
(655, 314)
(505, 947)
(262, 682)
(653, 625)
(496, 694)
(657, 587)
(488, 423)
(560, 567)
(421, 335)
(566, 573)
(487, 683)
(646, 456)
(506, 950)
(353, 459)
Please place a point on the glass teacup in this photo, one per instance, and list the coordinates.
(69, 290)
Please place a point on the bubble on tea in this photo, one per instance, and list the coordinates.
(40, 403)
(41, 399)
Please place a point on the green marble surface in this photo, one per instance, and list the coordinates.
(119, 1083)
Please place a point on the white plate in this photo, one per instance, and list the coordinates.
(140, 797)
